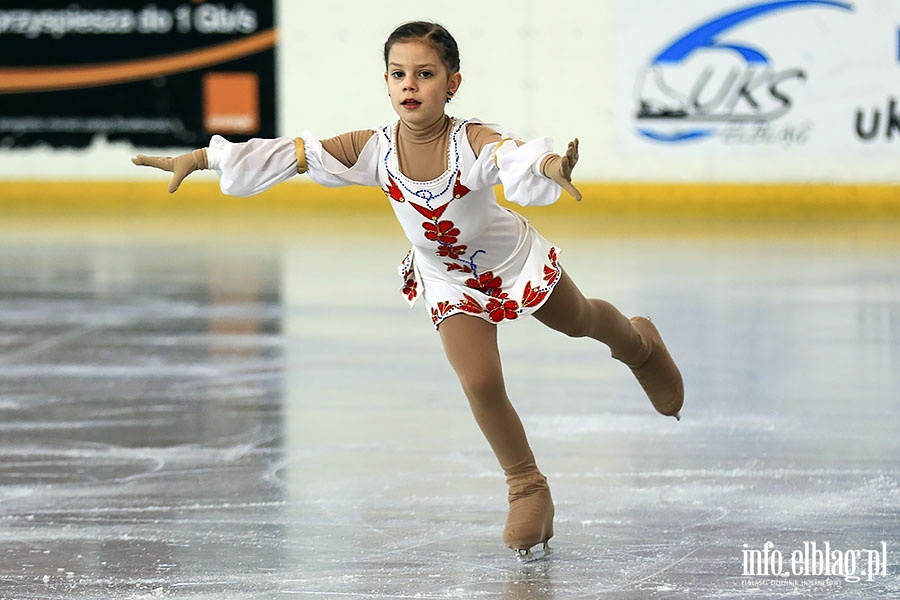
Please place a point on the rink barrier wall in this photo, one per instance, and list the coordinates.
(683, 200)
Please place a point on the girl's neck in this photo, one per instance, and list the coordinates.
(423, 134)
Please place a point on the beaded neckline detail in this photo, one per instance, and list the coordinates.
(424, 190)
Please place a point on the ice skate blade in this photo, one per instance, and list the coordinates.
(525, 555)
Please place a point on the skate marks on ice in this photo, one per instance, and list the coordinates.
(135, 407)
(197, 422)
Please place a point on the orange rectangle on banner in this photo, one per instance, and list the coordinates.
(231, 103)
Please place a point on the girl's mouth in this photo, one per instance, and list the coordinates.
(410, 103)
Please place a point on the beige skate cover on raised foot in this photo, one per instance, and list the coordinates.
(658, 374)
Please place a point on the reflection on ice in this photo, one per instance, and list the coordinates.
(268, 420)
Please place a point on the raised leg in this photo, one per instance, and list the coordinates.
(635, 342)
(470, 344)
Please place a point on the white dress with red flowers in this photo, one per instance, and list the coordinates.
(469, 254)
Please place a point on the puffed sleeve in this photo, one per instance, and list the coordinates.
(518, 168)
(326, 170)
(251, 167)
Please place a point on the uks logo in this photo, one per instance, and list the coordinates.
(869, 129)
(704, 84)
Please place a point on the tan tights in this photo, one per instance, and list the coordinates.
(470, 344)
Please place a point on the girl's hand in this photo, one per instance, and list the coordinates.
(180, 166)
(566, 166)
(559, 169)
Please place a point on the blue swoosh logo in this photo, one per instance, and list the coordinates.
(695, 134)
(706, 36)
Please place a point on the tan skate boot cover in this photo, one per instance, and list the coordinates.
(530, 519)
(655, 370)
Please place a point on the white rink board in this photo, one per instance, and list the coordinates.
(822, 67)
(542, 69)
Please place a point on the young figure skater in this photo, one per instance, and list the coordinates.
(474, 263)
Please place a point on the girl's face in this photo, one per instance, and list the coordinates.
(418, 83)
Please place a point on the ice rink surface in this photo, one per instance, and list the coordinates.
(257, 416)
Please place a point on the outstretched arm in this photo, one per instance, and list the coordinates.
(251, 167)
(244, 168)
(547, 163)
(179, 166)
(559, 168)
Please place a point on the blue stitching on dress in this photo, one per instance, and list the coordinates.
(426, 194)
(471, 261)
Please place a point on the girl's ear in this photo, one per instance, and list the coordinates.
(455, 82)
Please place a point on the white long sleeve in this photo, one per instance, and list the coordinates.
(518, 169)
(326, 170)
(248, 168)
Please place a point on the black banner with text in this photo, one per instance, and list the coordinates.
(158, 74)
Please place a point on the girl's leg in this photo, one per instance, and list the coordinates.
(470, 344)
(635, 342)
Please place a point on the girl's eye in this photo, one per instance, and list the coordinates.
(397, 74)
(425, 74)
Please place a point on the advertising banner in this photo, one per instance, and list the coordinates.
(755, 83)
(155, 74)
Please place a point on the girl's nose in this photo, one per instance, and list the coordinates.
(408, 84)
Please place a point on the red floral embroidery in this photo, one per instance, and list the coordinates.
(441, 311)
(393, 191)
(409, 288)
(444, 232)
(458, 267)
(499, 309)
(471, 305)
(405, 263)
(431, 215)
(532, 296)
(453, 252)
(551, 272)
(459, 190)
(486, 283)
